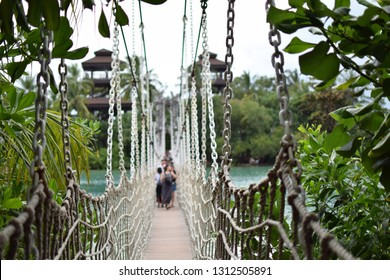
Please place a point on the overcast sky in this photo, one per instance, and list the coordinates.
(163, 35)
(163, 29)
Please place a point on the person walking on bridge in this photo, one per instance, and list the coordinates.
(167, 178)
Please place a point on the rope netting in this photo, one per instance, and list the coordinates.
(267, 220)
(113, 225)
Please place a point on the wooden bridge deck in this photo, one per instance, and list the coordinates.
(169, 238)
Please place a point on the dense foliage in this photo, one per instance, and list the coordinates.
(354, 43)
(350, 202)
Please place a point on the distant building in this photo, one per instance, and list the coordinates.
(217, 68)
(99, 68)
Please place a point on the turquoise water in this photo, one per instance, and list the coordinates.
(241, 176)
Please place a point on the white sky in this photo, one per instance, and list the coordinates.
(163, 27)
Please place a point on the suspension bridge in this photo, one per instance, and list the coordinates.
(212, 219)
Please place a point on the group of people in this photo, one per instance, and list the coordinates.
(165, 184)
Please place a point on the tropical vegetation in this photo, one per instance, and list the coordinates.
(343, 144)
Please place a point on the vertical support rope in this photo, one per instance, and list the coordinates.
(228, 92)
(43, 82)
(63, 89)
(205, 74)
(134, 134)
(112, 95)
(194, 128)
(117, 83)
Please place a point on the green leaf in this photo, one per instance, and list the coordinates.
(386, 87)
(319, 64)
(372, 121)
(347, 83)
(359, 111)
(368, 162)
(12, 203)
(320, 9)
(21, 18)
(342, 11)
(297, 45)
(53, 84)
(16, 69)
(325, 84)
(296, 3)
(287, 21)
(385, 180)
(154, 2)
(88, 4)
(120, 16)
(51, 13)
(34, 12)
(103, 27)
(26, 101)
(365, 3)
(64, 32)
(6, 23)
(350, 148)
(382, 147)
(5, 116)
(342, 3)
(34, 37)
(337, 138)
(18, 118)
(60, 50)
(77, 53)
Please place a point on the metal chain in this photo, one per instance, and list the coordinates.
(228, 92)
(150, 140)
(192, 29)
(206, 82)
(285, 114)
(277, 58)
(112, 95)
(133, 27)
(144, 85)
(206, 87)
(134, 129)
(188, 140)
(63, 88)
(184, 113)
(194, 128)
(43, 80)
(115, 56)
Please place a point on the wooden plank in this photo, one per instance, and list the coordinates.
(169, 239)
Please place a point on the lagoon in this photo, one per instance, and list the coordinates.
(242, 176)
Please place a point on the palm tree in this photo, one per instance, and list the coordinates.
(78, 90)
(16, 134)
(127, 79)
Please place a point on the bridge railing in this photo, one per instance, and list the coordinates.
(268, 220)
(114, 225)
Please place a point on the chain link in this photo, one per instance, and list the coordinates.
(63, 88)
(285, 114)
(194, 127)
(117, 78)
(134, 130)
(204, 91)
(228, 92)
(143, 85)
(43, 81)
(207, 93)
(112, 96)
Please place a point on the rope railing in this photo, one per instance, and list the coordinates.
(113, 225)
(196, 200)
(268, 220)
